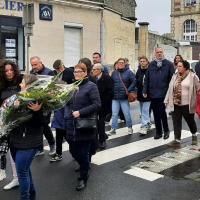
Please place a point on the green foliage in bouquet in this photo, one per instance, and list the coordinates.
(52, 95)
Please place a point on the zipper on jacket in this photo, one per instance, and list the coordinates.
(24, 133)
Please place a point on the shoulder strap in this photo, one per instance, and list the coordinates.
(120, 78)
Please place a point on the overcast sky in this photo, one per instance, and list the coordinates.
(156, 12)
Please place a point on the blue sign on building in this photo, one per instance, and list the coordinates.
(46, 12)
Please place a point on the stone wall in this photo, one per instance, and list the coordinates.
(126, 7)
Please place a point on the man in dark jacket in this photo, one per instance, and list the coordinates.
(67, 73)
(58, 121)
(105, 87)
(156, 83)
(97, 59)
(38, 68)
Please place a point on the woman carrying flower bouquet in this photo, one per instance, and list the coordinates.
(25, 141)
(84, 104)
(10, 79)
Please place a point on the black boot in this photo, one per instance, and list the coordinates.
(166, 135)
(81, 185)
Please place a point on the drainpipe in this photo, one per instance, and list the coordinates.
(102, 33)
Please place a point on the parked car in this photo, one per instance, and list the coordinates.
(192, 64)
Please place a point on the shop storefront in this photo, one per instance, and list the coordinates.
(66, 30)
(11, 32)
(12, 39)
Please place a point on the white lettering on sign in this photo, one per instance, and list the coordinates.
(46, 13)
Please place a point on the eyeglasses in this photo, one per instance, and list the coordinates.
(95, 69)
(78, 72)
(120, 62)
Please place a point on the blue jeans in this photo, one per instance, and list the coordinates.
(125, 106)
(23, 160)
(145, 115)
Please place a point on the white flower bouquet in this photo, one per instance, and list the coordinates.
(51, 94)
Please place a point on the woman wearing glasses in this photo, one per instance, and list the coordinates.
(85, 102)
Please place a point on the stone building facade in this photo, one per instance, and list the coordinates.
(185, 20)
(69, 30)
(147, 41)
(185, 27)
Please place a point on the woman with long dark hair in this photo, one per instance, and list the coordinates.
(177, 59)
(10, 79)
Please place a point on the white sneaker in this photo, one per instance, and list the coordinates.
(2, 174)
(143, 131)
(112, 132)
(12, 184)
(130, 131)
(52, 150)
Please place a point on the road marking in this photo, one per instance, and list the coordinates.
(122, 151)
(169, 159)
(120, 133)
(124, 131)
(144, 174)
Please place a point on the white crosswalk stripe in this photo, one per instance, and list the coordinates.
(122, 151)
(144, 174)
(132, 148)
(120, 133)
(124, 131)
(125, 150)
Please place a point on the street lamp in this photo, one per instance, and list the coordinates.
(28, 21)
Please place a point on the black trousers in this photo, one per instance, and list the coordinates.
(80, 151)
(160, 116)
(4, 147)
(60, 135)
(101, 129)
(3, 162)
(179, 112)
(48, 132)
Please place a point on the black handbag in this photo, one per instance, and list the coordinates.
(89, 122)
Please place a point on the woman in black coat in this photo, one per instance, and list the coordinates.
(85, 102)
(10, 79)
(25, 142)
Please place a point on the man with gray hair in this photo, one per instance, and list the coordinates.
(156, 84)
(38, 68)
(105, 87)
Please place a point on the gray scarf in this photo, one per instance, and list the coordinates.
(159, 62)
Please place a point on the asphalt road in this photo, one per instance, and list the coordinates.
(108, 180)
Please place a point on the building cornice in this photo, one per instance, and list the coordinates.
(129, 20)
(75, 3)
(184, 14)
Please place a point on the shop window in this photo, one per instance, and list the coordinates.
(190, 30)
(190, 2)
(12, 40)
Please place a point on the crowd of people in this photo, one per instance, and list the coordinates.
(102, 96)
